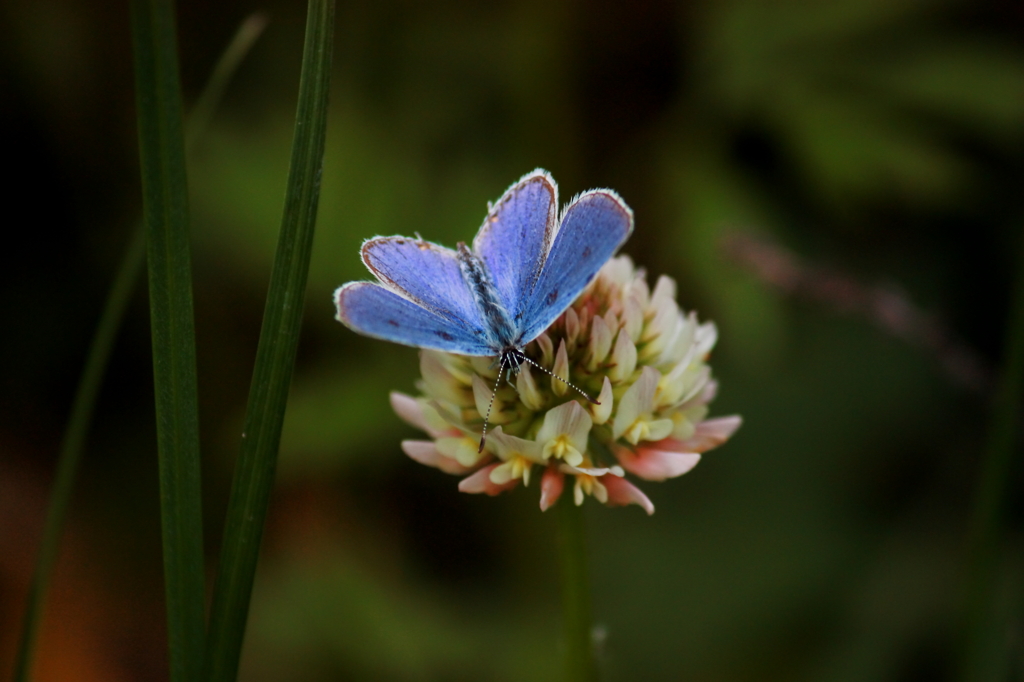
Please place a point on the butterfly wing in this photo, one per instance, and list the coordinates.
(515, 238)
(593, 227)
(373, 310)
(424, 273)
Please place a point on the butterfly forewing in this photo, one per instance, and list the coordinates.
(515, 237)
(426, 274)
(372, 310)
(593, 227)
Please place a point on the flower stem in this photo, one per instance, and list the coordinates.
(572, 548)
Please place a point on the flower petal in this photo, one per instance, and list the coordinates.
(677, 345)
(619, 271)
(408, 409)
(697, 382)
(547, 349)
(611, 320)
(602, 411)
(600, 343)
(706, 337)
(684, 427)
(637, 288)
(462, 449)
(656, 465)
(502, 474)
(507, 447)
(527, 388)
(572, 326)
(441, 382)
(637, 400)
(425, 452)
(623, 357)
(709, 434)
(420, 415)
(484, 366)
(664, 292)
(560, 369)
(708, 394)
(662, 334)
(551, 485)
(633, 318)
(621, 492)
(647, 429)
(585, 315)
(658, 429)
(480, 482)
(569, 420)
(684, 381)
(487, 399)
(591, 471)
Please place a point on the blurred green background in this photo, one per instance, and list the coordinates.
(836, 184)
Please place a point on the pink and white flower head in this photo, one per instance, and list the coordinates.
(631, 347)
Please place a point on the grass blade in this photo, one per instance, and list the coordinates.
(275, 356)
(102, 345)
(71, 446)
(985, 647)
(165, 215)
(230, 59)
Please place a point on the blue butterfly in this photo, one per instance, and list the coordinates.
(526, 266)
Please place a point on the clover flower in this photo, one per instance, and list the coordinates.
(631, 347)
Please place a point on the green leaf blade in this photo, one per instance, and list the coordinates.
(72, 446)
(165, 216)
(275, 356)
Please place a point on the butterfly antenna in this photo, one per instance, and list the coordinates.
(564, 381)
(494, 391)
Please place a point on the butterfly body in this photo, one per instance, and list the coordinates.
(526, 266)
(497, 322)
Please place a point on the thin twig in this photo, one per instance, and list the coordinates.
(888, 307)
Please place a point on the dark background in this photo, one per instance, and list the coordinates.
(836, 184)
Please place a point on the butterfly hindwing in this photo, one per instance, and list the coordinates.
(425, 273)
(372, 310)
(593, 227)
(515, 237)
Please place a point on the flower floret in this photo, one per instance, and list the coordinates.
(564, 433)
(518, 456)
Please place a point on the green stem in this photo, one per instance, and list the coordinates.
(70, 456)
(985, 646)
(166, 217)
(577, 623)
(275, 357)
(98, 357)
(230, 59)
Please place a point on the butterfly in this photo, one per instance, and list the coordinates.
(526, 265)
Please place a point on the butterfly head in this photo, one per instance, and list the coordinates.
(512, 359)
